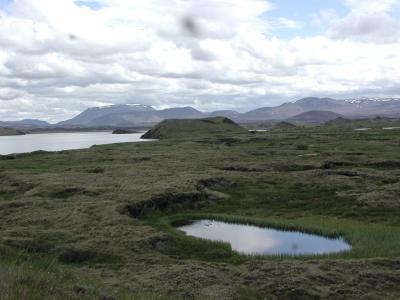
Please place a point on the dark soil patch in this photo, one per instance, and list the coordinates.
(293, 167)
(216, 183)
(96, 170)
(70, 192)
(73, 256)
(385, 164)
(242, 169)
(331, 164)
(167, 202)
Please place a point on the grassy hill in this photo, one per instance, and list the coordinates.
(10, 131)
(283, 126)
(184, 128)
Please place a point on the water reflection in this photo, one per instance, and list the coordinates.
(248, 239)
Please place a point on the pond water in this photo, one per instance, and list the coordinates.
(254, 240)
(62, 141)
(390, 128)
(362, 129)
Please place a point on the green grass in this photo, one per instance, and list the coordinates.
(25, 276)
(41, 277)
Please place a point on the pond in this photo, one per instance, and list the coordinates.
(62, 141)
(254, 240)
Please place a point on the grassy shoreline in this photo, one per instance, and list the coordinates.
(366, 240)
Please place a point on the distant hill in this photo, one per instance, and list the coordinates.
(231, 114)
(314, 117)
(25, 124)
(33, 123)
(10, 131)
(350, 108)
(98, 116)
(182, 128)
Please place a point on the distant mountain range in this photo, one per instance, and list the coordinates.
(308, 110)
(26, 123)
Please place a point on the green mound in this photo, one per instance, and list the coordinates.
(378, 122)
(283, 125)
(10, 131)
(124, 131)
(184, 128)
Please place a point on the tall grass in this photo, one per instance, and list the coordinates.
(38, 277)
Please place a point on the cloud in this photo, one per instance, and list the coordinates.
(371, 6)
(282, 22)
(373, 28)
(368, 21)
(60, 57)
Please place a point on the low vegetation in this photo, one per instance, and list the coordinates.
(376, 123)
(193, 128)
(124, 131)
(10, 131)
(108, 214)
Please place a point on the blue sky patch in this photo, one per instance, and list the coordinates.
(91, 4)
(302, 12)
(4, 3)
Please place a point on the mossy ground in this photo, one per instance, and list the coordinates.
(71, 207)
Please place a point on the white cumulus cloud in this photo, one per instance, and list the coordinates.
(60, 57)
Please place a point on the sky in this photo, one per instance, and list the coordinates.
(60, 57)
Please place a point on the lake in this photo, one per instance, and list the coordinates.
(254, 240)
(62, 141)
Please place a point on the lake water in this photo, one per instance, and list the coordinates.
(254, 240)
(62, 141)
